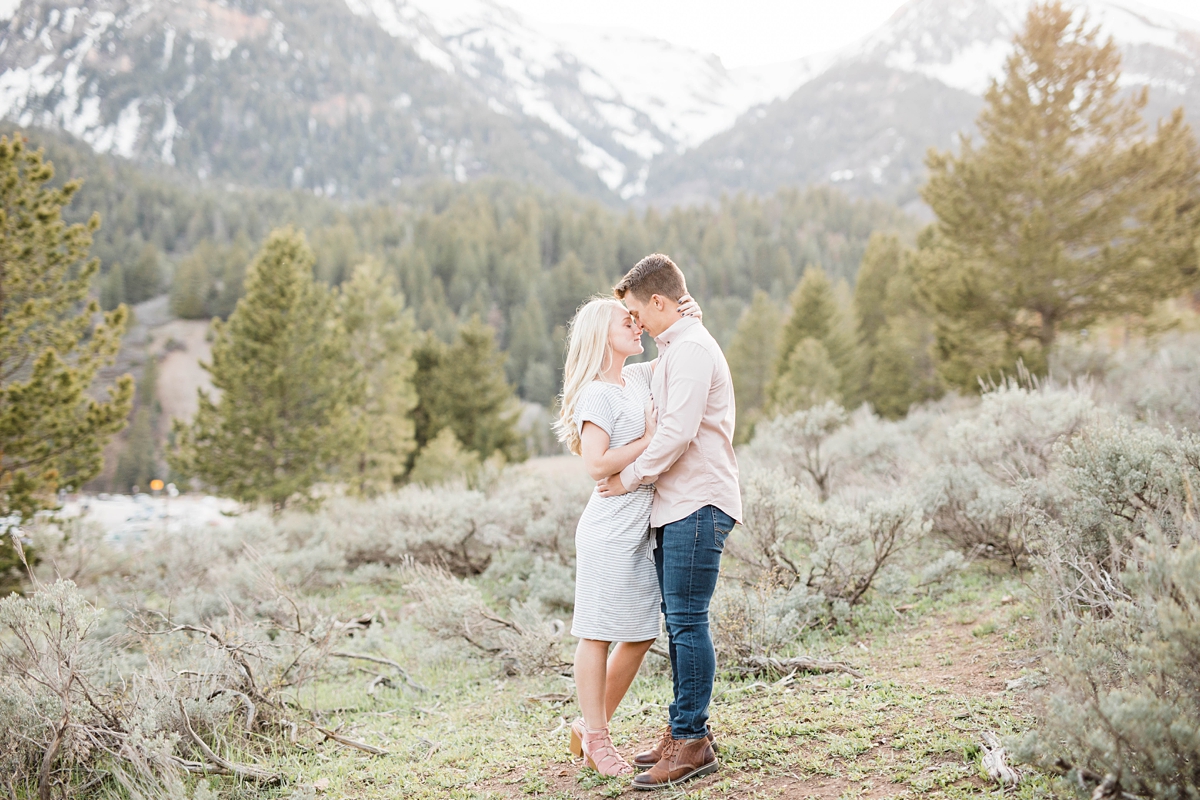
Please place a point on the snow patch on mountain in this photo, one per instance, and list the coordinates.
(689, 94)
(639, 93)
(77, 110)
(964, 43)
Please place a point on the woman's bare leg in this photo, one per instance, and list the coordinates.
(591, 669)
(623, 667)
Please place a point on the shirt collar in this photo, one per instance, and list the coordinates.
(672, 333)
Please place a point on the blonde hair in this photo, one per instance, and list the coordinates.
(588, 354)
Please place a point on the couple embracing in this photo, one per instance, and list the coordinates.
(658, 438)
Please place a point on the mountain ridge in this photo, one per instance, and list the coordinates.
(357, 97)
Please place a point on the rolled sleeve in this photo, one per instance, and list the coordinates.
(687, 385)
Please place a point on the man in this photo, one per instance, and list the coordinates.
(696, 503)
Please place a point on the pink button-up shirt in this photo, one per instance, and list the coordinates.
(690, 459)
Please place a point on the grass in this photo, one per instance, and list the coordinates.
(934, 681)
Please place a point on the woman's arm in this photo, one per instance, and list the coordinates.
(600, 460)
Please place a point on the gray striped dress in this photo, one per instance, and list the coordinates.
(616, 588)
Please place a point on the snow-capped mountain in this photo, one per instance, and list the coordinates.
(621, 97)
(963, 43)
(139, 79)
(865, 119)
(356, 96)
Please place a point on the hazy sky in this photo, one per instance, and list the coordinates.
(745, 32)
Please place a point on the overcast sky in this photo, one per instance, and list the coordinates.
(746, 32)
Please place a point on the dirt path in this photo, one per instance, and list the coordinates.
(184, 344)
(931, 688)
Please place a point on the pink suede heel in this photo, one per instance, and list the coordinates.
(576, 742)
(600, 754)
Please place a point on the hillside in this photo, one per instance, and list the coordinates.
(305, 94)
(358, 98)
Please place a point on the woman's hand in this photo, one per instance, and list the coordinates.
(611, 486)
(690, 308)
(651, 420)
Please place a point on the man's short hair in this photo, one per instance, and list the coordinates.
(654, 274)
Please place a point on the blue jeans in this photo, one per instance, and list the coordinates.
(687, 557)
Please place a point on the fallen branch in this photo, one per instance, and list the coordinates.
(357, 745)
(234, 652)
(377, 681)
(251, 709)
(197, 767)
(1107, 787)
(380, 660)
(242, 770)
(757, 665)
(995, 761)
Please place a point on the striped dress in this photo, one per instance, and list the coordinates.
(616, 588)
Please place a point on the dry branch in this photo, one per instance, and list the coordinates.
(251, 709)
(357, 745)
(757, 665)
(242, 770)
(995, 761)
(1107, 787)
(380, 660)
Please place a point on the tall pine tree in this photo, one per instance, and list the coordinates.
(1066, 212)
(381, 338)
(818, 358)
(52, 430)
(461, 386)
(894, 333)
(280, 423)
(752, 359)
(53, 341)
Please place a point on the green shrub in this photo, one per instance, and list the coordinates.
(1119, 570)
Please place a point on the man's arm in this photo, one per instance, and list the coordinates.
(688, 383)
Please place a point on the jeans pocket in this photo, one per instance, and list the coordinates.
(722, 525)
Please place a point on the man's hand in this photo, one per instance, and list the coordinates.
(611, 486)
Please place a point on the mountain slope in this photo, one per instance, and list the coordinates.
(353, 96)
(858, 125)
(303, 93)
(866, 121)
(621, 97)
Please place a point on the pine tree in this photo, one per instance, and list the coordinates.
(893, 331)
(143, 278)
(286, 385)
(112, 287)
(1065, 213)
(529, 346)
(567, 286)
(462, 387)
(443, 460)
(138, 462)
(881, 262)
(751, 361)
(816, 316)
(809, 379)
(189, 288)
(380, 334)
(52, 428)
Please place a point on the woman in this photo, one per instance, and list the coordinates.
(607, 417)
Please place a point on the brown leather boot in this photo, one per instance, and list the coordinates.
(682, 760)
(650, 757)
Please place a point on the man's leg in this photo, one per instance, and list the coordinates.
(691, 560)
(659, 559)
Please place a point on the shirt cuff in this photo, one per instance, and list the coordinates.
(629, 479)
